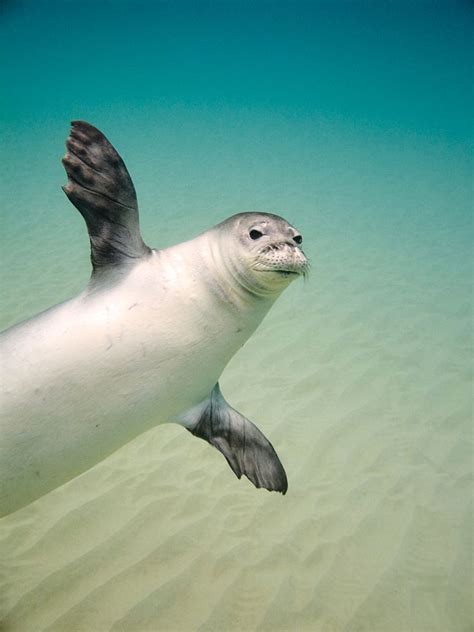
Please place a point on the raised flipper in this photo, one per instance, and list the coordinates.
(101, 189)
(246, 449)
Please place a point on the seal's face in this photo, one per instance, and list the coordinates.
(268, 254)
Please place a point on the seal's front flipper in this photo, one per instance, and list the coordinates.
(101, 189)
(246, 449)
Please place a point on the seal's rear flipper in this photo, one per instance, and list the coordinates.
(246, 449)
(101, 189)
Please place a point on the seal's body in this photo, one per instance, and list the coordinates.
(144, 344)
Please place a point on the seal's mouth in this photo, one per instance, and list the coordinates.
(282, 258)
(287, 272)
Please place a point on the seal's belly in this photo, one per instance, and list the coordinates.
(78, 384)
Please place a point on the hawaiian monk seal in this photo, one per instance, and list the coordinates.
(144, 343)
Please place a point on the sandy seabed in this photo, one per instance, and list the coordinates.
(360, 379)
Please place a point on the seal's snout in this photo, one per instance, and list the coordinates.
(279, 245)
(284, 257)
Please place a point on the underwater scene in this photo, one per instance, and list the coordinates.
(353, 121)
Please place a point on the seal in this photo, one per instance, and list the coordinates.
(145, 343)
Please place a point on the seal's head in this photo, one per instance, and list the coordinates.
(262, 251)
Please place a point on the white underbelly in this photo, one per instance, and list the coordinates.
(77, 385)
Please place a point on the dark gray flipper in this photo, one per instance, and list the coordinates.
(101, 189)
(246, 449)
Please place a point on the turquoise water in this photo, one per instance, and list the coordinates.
(353, 121)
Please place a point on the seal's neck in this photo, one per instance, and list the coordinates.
(228, 276)
(209, 281)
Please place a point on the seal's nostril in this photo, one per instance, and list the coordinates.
(298, 239)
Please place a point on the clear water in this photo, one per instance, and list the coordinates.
(352, 120)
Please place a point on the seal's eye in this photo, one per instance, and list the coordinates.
(255, 234)
(298, 239)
